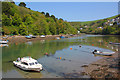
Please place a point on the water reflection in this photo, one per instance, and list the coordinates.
(65, 55)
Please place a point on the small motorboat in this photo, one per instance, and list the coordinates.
(57, 37)
(114, 43)
(33, 36)
(4, 45)
(3, 42)
(28, 37)
(42, 36)
(103, 53)
(62, 36)
(28, 64)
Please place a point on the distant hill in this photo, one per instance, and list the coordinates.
(109, 25)
(22, 20)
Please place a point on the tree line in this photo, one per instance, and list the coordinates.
(98, 27)
(24, 21)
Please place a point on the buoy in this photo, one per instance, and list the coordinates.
(71, 48)
(60, 57)
(46, 53)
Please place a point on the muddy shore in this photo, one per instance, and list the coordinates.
(23, 39)
(107, 67)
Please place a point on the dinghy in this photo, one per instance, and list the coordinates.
(3, 42)
(103, 53)
(114, 43)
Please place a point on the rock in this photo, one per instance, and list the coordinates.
(84, 66)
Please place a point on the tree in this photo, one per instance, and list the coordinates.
(43, 13)
(6, 21)
(22, 4)
(52, 28)
(23, 30)
(53, 17)
(47, 14)
(16, 20)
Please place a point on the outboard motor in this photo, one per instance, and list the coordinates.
(94, 51)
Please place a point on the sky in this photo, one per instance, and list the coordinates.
(76, 11)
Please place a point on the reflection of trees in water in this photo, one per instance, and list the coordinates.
(102, 42)
(36, 50)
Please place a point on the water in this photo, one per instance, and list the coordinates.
(72, 56)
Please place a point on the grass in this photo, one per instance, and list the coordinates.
(89, 22)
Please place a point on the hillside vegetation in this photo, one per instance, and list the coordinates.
(104, 26)
(21, 20)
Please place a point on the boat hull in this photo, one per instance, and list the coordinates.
(104, 53)
(3, 42)
(26, 69)
(114, 43)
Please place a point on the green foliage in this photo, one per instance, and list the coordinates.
(97, 26)
(6, 21)
(43, 13)
(16, 20)
(23, 29)
(47, 15)
(22, 4)
(20, 20)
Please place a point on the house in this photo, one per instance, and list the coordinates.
(100, 27)
(112, 20)
(86, 26)
(111, 24)
(81, 28)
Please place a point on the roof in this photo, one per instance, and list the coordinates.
(28, 60)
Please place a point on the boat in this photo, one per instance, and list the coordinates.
(33, 36)
(103, 53)
(114, 43)
(42, 36)
(28, 37)
(62, 37)
(3, 42)
(57, 37)
(3, 45)
(28, 64)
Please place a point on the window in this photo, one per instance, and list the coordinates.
(24, 63)
(31, 64)
(36, 62)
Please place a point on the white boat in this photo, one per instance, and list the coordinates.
(103, 53)
(3, 42)
(42, 36)
(57, 37)
(28, 64)
(114, 43)
(3, 45)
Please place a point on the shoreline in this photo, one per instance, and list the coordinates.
(21, 39)
(107, 67)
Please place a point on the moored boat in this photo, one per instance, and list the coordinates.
(42, 36)
(103, 53)
(28, 64)
(114, 43)
(62, 36)
(28, 37)
(57, 37)
(3, 42)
